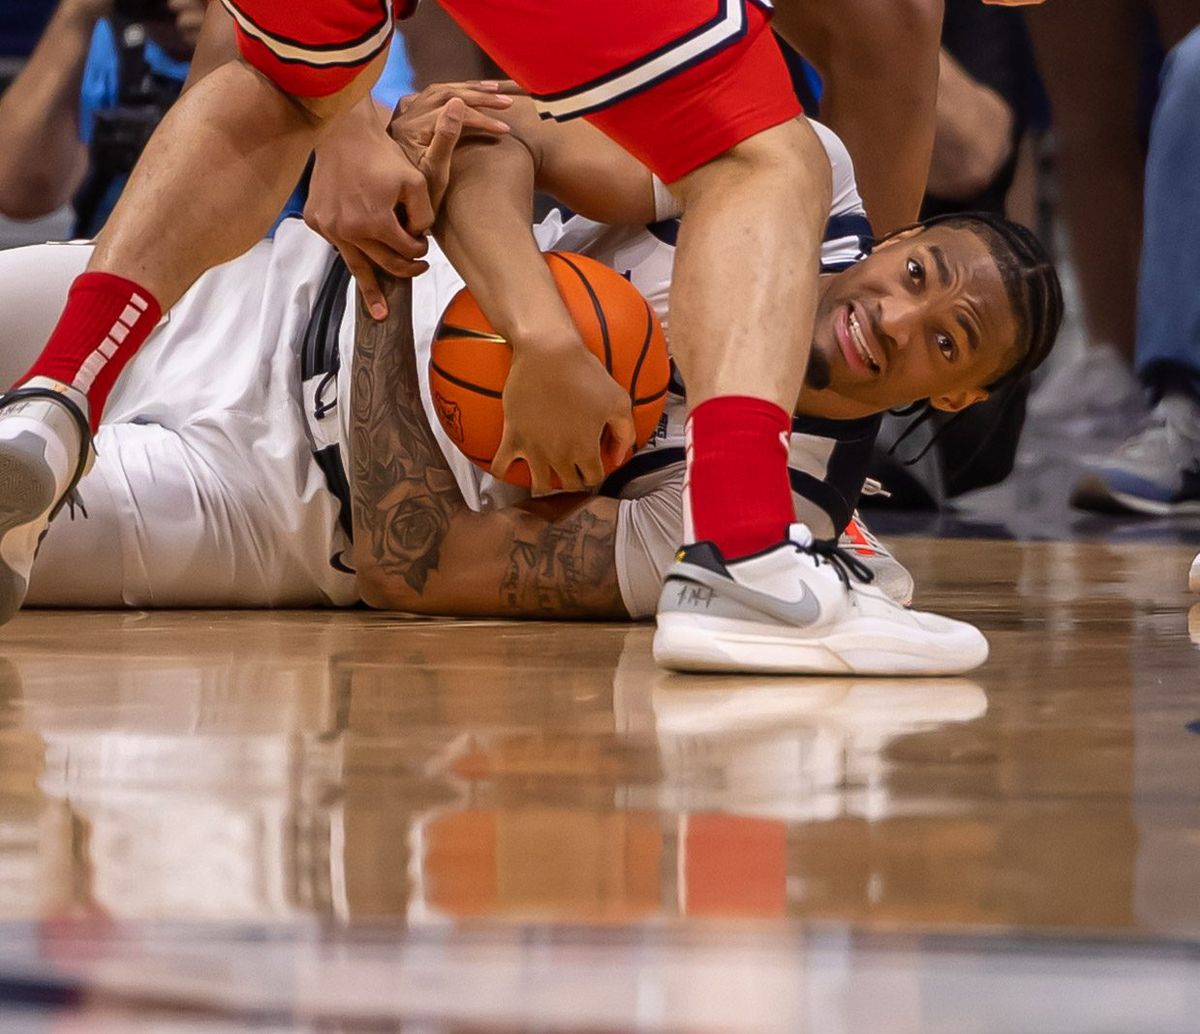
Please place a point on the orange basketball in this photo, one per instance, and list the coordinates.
(470, 361)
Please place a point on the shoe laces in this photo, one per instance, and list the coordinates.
(844, 562)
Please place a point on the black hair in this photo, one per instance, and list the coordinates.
(1034, 293)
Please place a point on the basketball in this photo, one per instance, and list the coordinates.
(469, 362)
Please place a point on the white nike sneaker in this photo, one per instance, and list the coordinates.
(791, 610)
(891, 576)
(1194, 576)
(45, 448)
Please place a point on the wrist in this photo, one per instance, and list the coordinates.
(544, 341)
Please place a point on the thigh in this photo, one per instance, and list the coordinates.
(175, 523)
(33, 289)
(675, 84)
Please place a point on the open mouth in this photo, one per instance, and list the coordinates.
(854, 341)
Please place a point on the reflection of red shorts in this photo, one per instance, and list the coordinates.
(676, 83)
(314, 48)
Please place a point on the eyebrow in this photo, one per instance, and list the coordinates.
(969, 328)
(943, 267)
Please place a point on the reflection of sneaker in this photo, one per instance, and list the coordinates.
(1194, 621)
(791, 609)
(1194, 577)
(891, 576)
(45, 446)
(1155, 471)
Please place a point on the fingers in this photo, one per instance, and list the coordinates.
(385, 257)
(368, 283)
(623, 438)
(476, 122)
(590, 471)
(435, 162)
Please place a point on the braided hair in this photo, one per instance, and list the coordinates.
(1034, 292)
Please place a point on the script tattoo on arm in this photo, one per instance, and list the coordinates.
(403, 491)
(565, 568)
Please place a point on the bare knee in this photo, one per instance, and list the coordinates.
(787, 160)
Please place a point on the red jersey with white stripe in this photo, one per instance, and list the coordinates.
(675, 83)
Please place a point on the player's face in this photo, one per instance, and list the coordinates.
(925, 316)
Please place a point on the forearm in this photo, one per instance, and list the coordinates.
(974, 135)
(214, 176)
(418, 547)
(485, 229)
(43, 161)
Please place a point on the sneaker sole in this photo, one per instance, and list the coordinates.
(684, 642)
(1092, 494)
(26, 492)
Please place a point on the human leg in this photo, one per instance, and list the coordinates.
(1157, 469)
(879, 63)
(755, 186)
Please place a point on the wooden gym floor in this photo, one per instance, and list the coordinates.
(350, 821)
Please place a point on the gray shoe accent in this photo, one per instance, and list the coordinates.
(26, 480)
(1156, 470)
(26, 492)
(690, 589)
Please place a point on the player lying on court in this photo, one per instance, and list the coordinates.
(220, 479)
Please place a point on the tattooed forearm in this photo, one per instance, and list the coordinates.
(564, 569)
(402, 489)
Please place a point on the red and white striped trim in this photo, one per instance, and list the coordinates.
(359, 51)
(729, 25)
(94, 363)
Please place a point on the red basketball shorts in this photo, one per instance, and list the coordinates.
(676, 84)
(314, 48)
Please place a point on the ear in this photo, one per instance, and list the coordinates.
(958, 401)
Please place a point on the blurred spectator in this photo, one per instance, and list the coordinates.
(1157, 469)
(1099, 61)
(440, 52)
(76, 118)
(73, 121)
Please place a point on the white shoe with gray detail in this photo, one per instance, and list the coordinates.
(45, 447)
(1194, 577)
(792, 610)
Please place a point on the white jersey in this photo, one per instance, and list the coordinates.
(206, 491)
(827, 458)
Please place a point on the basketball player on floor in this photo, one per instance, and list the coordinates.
(704, 100)
(207, 493)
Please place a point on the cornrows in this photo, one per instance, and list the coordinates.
(1034, 291)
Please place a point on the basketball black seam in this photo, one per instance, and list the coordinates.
(449, 330)
(637, 369)
(650, 398)
(596, 306)
(464, 384)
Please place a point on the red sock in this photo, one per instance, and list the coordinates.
(103, 325)
(738, 492)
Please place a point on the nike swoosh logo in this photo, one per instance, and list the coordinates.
(804, 611)
(338, 564)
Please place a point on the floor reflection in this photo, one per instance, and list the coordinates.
(274, 768)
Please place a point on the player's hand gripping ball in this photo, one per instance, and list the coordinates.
(469, 362)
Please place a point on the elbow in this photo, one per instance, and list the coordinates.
(28, 194)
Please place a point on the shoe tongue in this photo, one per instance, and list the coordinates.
(800, 534)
